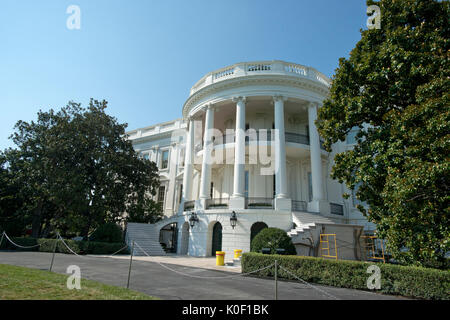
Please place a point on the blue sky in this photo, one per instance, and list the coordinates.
(143, 56)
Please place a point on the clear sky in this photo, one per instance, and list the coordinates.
(143, 56)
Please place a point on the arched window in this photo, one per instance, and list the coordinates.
(257, 227)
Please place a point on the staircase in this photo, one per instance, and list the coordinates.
(306, 221)
(146, 236)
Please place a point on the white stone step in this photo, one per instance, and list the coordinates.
(146, 237)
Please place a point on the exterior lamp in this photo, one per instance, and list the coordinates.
(233, 219)
(193, 219)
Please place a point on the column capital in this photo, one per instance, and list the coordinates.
(239, 99)
(313, 104)
(279, 97)
(209, 106)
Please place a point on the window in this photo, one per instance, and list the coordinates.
(310, 189)
(182, 157)
(146, 156)
(165, 159)
(274, 185)
(246, 184)
(351, 136)
(211, 192)
(161, 195)
(181, 193)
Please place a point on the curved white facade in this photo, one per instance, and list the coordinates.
(248, 143)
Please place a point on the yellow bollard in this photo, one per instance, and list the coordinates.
(220, 258)
(237, 253)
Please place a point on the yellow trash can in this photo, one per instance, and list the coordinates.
(237, 253)
(220, 258)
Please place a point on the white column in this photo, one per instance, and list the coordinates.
(280, 149)
(188, 163)
(317, 204)
(282, 202)
(205, 180)
(238, 197)
(239, 149)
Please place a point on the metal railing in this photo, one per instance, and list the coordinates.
(337, 209)
(297, 138)
(258, 203)
(189, 205)
(217, 203)
(268, 136)
(299, 205)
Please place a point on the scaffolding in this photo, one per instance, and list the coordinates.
(374, 248)
(327, 248)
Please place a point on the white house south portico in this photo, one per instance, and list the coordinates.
(248, 144)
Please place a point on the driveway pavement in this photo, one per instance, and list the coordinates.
(182, 281)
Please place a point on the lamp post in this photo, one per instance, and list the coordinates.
(193, 219)
(233, 219)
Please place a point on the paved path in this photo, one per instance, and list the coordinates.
(187, 261)
(153, 279)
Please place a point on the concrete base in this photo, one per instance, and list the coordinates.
(319, 206)
(237, 203)
(283, 204)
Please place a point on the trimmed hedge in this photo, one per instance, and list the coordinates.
(79, 247)
(417, 282)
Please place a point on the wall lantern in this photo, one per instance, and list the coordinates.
(233, 219)
(193, 219)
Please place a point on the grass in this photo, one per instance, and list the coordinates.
(19, 283)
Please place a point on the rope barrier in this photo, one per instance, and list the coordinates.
(308, 284)
(67, 246)
(200, 277)
(24, 247)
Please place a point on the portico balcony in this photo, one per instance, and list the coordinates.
(266, 103)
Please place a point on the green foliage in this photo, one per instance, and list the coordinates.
(395, 87)
(144, 210)
(79, 247)
(73, 170)
(273, 238)
(417, 282)
(108, 232)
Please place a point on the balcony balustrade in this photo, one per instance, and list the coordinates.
(258, 203)
(217, 203)
(299, 206)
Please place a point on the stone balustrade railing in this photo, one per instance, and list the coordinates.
(262, 67)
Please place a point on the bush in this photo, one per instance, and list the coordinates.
(273, 238)
(108, 232)
(79, 247)
(417, 282)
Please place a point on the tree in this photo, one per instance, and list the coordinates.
(78, 170)
(395, 88)
(273, 238)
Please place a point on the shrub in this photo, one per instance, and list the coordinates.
(108, 232)
(79, 247)
(417, 282)
(273, 238)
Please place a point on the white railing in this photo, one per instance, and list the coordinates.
(261, 67)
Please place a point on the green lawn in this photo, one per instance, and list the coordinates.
(19, 283)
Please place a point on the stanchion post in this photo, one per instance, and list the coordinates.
(129, 269)
(276, 280)
(54, 251)
(1, 240)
